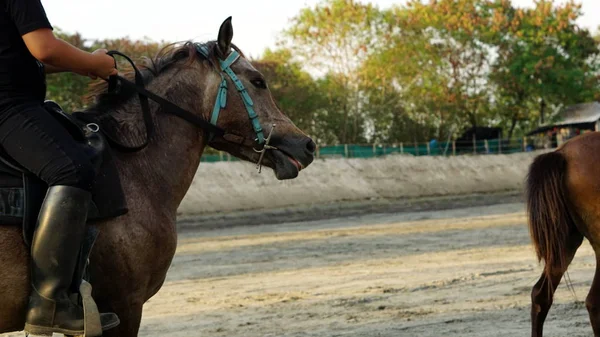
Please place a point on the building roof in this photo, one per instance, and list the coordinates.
(578, 114)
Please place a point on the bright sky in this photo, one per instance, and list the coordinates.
(256, 23)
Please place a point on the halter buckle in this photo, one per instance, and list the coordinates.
(264, 149)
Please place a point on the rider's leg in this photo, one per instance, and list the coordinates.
(36, 141)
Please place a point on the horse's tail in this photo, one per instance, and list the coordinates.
(550, 221)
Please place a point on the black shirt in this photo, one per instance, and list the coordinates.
(21, 75)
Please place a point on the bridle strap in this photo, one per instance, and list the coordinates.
(116, 81)
(139, 81)
(191, 118)
(248, 103)
(221, 100)
(172, 108)
(168, 107)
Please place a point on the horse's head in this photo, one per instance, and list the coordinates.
(213, 81)
(246, 108)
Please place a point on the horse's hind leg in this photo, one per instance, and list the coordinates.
(541, 301)
(592, 302)
(542, 293)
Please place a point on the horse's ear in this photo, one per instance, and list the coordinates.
(225, 37)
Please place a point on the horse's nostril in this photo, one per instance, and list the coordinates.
(311, 146)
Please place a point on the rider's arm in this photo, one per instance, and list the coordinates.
(55, 52)
(53, 70)
(30, 19)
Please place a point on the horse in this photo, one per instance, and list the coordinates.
(562, 202)
(133, 252)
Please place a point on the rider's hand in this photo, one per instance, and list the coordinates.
(105, 65)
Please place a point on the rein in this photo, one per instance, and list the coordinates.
(116, 81)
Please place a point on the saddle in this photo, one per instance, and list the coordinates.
(22, 193)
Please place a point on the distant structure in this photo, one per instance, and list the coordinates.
(572, 121)
(471, 139)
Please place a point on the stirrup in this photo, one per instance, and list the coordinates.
(92, 324)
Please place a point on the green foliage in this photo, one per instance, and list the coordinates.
(70, 89)
(296, 93)
(334, 38)
(544, 59)
(348, 72)
(456, 63)
(66, 88)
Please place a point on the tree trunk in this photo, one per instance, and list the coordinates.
(473, 119)
(344, 139)
(542, 111)
(515, 116)
(513, 124)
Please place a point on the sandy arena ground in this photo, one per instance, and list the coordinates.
(463, 272)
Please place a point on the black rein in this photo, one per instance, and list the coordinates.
(115, 81)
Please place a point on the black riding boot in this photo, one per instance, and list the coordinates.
(54, 252)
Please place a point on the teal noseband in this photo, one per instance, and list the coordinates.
(221, 101)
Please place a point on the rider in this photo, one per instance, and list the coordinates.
(31, 137)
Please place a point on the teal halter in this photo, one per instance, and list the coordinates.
(221, 101)
(116, 81)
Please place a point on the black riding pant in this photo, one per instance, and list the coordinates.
(34, 139)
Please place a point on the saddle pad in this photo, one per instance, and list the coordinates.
(22, 194)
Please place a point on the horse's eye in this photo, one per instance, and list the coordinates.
(259, 83)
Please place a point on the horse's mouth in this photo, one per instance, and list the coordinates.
(298, 165)
(284, 165)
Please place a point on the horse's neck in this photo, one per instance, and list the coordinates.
(157, 178)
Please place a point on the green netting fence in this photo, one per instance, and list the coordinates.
(453, 148)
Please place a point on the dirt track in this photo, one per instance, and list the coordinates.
(463, 272)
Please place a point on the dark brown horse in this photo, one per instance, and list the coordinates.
(133, 253)
(563, 202)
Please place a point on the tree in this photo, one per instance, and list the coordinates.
(297, 94)
(458, 63)
(544, 59)
(334, 37)
(69, 89)
(437, 58)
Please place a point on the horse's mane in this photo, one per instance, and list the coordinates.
(101, 100)
(167, 58)
(128, 128)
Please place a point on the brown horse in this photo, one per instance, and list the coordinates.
(133, 253)
(563, 204)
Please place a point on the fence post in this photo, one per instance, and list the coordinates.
(318, 151)
(454, 148)
(346, 150)
(416, 148)
(474, 144)
(220, 156)
(228, 157)
(401, 148)
(428, 149)
(499, 145)
(524, 144)
(486, 145)
(374, 150)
